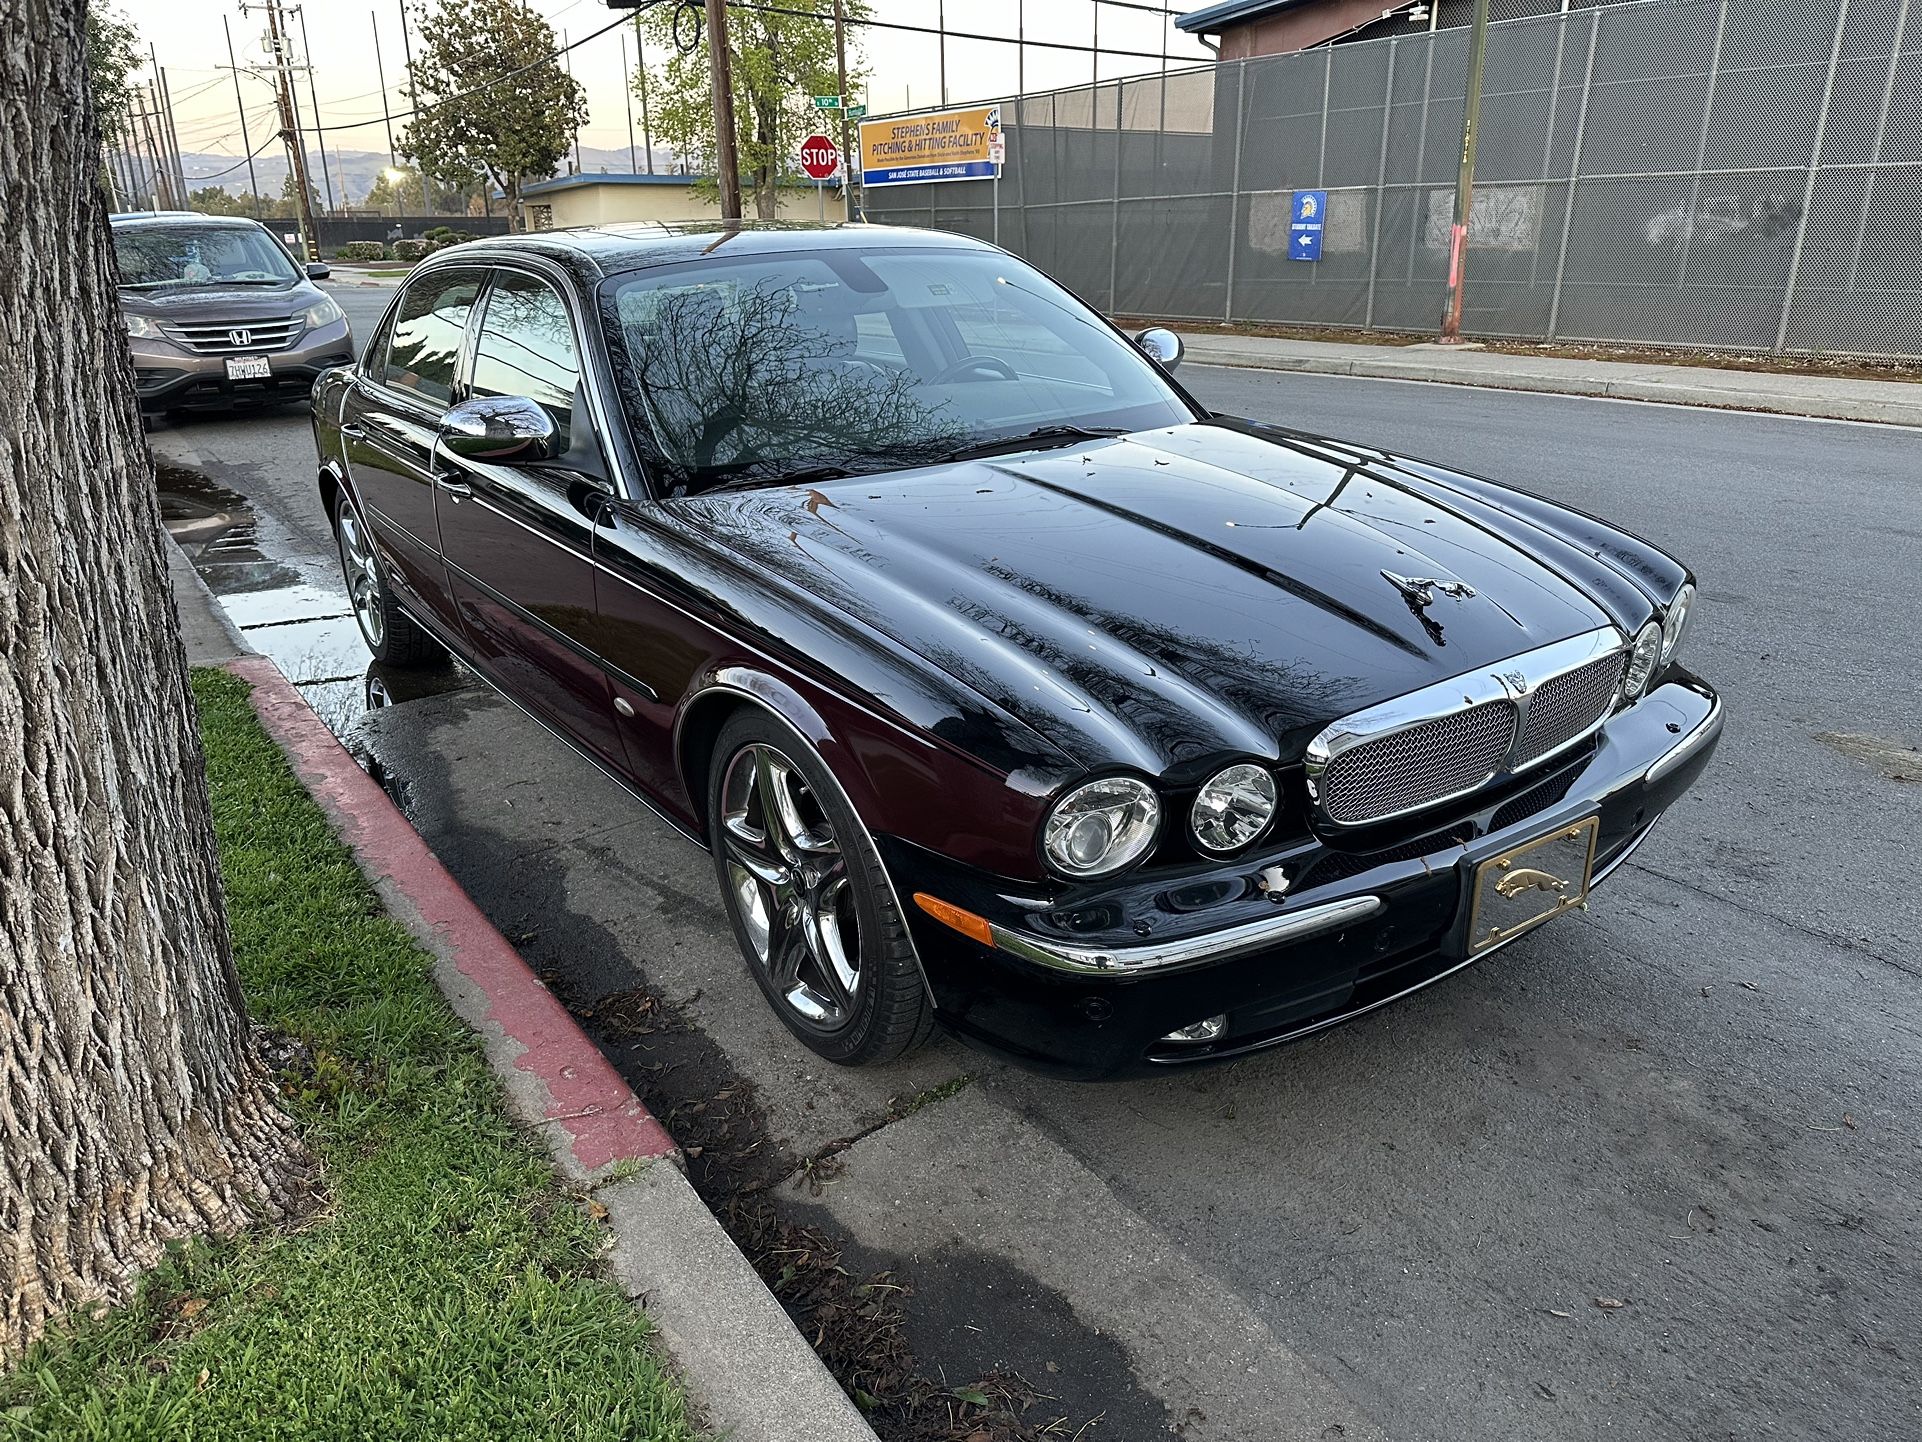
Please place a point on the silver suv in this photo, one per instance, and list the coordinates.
(219, 313)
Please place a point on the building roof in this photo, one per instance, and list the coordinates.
(586, 178)
(1231, 12)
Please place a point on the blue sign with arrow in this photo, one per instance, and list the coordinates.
(1304, 233)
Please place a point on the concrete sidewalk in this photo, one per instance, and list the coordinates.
(1890, 402)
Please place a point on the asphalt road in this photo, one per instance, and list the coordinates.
(1702, 1099)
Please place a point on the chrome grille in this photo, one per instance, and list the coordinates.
(1418, 766)
(217, 337)
(1566, 706)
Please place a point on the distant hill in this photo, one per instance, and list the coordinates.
(353, 172)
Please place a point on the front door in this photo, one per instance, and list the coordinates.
(519, 539)
(388, 424)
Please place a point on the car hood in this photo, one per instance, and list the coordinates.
(1162, 599)
(229, 302)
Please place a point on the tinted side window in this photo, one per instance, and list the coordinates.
(424, 353)
(526, 347)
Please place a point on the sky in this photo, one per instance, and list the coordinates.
(187, 38)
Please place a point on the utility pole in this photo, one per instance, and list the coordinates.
(721, 76)
(413, 98)
(941, 23)
(380, 74)
(627, 94)
(1451, 327)
(240, 105)
(320, 136)
(290, 122)
(647, 125)
(848, 168)
(567, 58)
(169, 137)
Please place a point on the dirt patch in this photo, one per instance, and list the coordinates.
(1891, 758)
(854, 1313)
(1837, 367)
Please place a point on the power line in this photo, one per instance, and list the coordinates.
(959, 34)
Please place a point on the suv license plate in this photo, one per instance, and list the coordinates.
(248, 368)
(1527, 884)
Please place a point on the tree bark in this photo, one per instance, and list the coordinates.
(133, 1108)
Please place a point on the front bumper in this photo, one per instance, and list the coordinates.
(1092, 991)
(171, 377)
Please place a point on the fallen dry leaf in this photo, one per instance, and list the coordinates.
(193, 1307)
(596, 1210)
(1553, 1313)
(200, 1382)
(1610, 1304)
(1848, 1120)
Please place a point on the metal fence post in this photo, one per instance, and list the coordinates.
(1381, 183)
(1114, 246)
(1548, 140)
(1881, 134)
(1808, 184)
(1574, 173)
(1234, 186)
(1421, 148)
(1701, 143)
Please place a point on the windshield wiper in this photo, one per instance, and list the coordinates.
(1038, 439)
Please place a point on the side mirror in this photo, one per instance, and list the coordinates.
(1160, 344)
(317, 271)
(504, 430)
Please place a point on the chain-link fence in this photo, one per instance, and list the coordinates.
(1714, 173)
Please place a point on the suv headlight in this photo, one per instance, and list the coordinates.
(1101, 827)
(143, 327)
(1676, 623)
(1233, 808)
(321, 312)
(1642, 661)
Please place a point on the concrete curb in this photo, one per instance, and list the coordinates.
(751, 1373)
(1884, 402)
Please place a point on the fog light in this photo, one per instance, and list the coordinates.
(1207, 1030)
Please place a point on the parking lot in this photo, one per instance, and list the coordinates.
(1654, 1171)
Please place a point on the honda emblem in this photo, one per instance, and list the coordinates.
(241, 337)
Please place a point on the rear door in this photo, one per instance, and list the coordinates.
(389, 423)
(519, 539)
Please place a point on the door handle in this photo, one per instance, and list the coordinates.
(354, 432)
(453, 487)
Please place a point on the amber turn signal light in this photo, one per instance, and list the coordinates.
(975, 928)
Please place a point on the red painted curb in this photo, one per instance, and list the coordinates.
(604, 1120)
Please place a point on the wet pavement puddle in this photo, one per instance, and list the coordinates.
(297, 616)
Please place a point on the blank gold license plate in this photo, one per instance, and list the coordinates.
(1523, 887)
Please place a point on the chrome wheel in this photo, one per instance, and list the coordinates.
(363, 576)
(788, 883)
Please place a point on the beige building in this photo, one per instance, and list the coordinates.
(603, 199)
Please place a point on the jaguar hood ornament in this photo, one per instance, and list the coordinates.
(1420, 590)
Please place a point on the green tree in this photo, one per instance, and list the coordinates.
(494, 103)
(113, 55)
(403, 195)
(212, 200)
(779, 62)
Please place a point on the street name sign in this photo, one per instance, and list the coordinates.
(940, 145)
(1304, 231)
(827, 102)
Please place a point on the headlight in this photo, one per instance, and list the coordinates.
(1642, 660)
(1101, 827)
(1233, 808)
(1676, 623)
(144, 327)
(321, 312)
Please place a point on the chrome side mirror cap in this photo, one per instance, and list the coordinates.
(503, 430)
(1161, 345)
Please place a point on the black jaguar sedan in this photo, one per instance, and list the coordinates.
(1009, 688)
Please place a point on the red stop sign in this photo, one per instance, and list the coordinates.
(819, 157)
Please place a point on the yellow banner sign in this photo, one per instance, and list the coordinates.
(944, 145)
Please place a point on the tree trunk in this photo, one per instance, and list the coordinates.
(133, 1107)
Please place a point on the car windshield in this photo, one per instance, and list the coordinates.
(770, 369)
(156, 256)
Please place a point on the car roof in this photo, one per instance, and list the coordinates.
(179, 217)
(596, 251)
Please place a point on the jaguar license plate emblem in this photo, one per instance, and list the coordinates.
(1526, 885)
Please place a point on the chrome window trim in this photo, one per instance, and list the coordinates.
(1515, 680)
(1190, 951)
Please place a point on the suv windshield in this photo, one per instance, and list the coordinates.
(756, 371)
(153, 256)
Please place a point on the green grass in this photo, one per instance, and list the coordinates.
(445, 1292)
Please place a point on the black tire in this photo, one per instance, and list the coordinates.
(394, 637)
(885, 1012)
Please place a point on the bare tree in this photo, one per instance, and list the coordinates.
(133, 1108)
